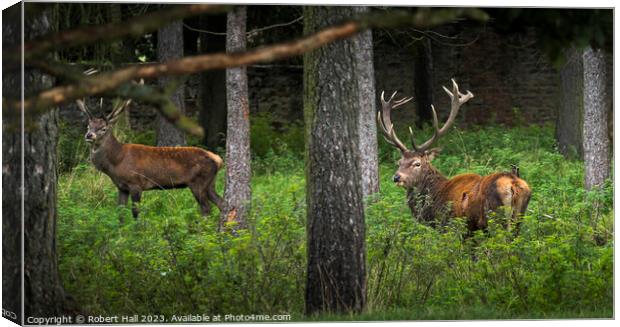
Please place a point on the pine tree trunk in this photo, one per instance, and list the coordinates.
(11, 177)
(336, 275)
(423, 81)
(369, 161)
(569, 124)
(596, 104)
(43, 292)
(213, 84)
(238, 173)
(170, 46)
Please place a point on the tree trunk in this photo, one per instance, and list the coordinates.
(569, 124)
(11, 177)
(369, 161)
(120, 52)
(423, 80)
(336, 275)
(43, 292)
(213, 84)
(237, 194)
(169, 47)
(595, 105)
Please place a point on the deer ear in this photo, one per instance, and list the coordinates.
(432, 153)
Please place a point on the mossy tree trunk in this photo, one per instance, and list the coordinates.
(169, 47)
(238, 173)
(336, 275)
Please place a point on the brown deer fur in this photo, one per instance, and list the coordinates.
(432, 196)
(135, 168)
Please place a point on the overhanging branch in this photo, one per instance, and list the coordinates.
(108, 82)
(134, 27)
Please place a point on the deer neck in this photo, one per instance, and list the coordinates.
(107, 153)
(430, 183)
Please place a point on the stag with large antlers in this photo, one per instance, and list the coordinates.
(135, 168)
(431, 196)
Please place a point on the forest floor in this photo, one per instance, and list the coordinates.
(172, 261)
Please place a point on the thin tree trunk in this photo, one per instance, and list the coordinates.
(423, 80)
(120, 52)
(170, 46)
(569, 126)
(213, 84)
(369, 158)
(595, 137)
(336, 275)
(238, 173)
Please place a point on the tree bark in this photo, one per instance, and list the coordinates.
(238, 173)
(213, 84)
(336, 275)
(369, 158)
(43, 295)
(596, 106)
(11, 178)
(423, 81)
(170, 47)
(569, 126)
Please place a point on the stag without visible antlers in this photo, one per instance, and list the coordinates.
(135, 168)
(431, 195)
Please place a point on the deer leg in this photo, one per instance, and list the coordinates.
(200, 195)
(123, 196)
(214, 197)
(135, 200)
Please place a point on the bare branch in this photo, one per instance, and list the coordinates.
(116, 81)
(108, 81)
(91, 34)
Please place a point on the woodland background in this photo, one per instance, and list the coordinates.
(530, 70)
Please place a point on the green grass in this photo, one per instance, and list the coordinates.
(172, 261)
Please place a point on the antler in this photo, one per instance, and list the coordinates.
(116, 111)
(457, 100)
(385, 121)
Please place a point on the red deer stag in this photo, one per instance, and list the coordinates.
(135, 168)
(431, 195)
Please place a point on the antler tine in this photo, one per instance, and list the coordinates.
(121, 105)
(432, 140)
(385, 121)
(457, 100)
(83, 108)
(402, 101)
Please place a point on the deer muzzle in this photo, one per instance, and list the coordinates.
(90, 137)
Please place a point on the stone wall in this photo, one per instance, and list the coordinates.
(511, 80)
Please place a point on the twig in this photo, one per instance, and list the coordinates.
(249, 33)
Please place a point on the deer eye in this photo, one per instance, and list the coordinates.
(417, 164)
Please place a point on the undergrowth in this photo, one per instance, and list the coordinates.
(172, 261)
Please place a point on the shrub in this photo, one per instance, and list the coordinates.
(172, 260)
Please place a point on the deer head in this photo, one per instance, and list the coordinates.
(415, 163)
(99, 127)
